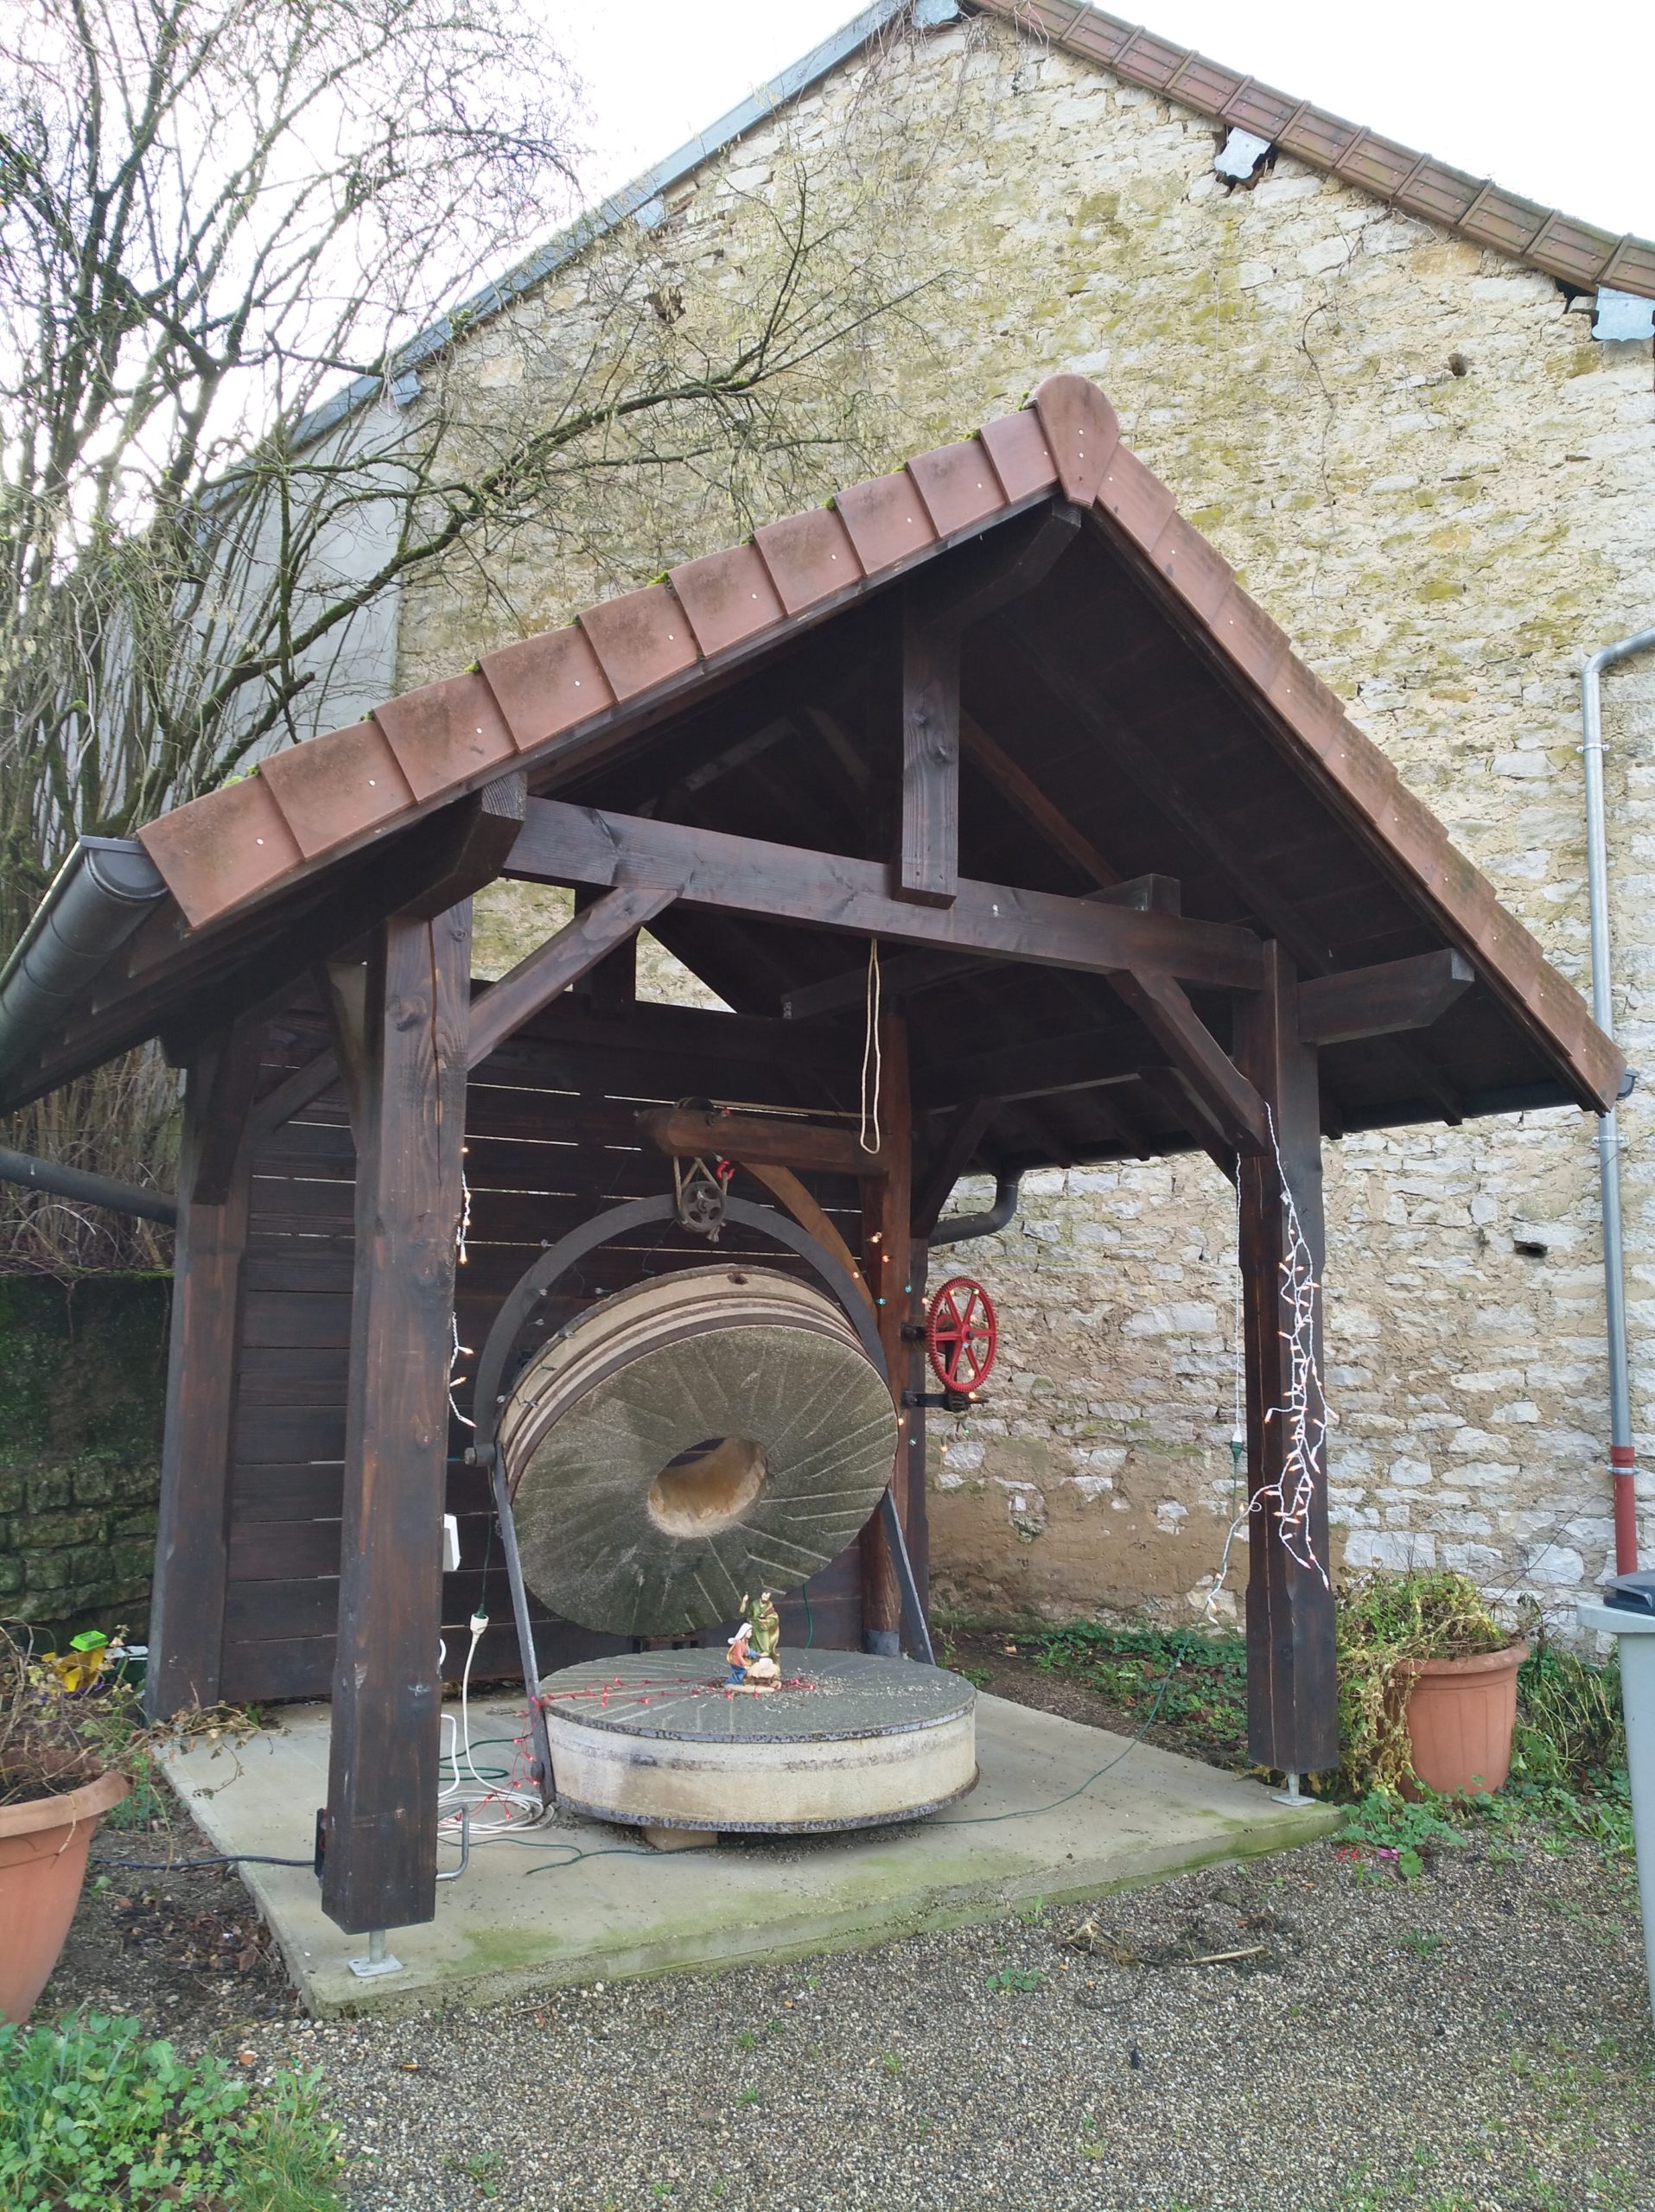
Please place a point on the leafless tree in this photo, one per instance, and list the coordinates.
(237, 418)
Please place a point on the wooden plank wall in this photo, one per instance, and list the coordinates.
(550, 1140)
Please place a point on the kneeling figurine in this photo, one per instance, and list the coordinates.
(752, 1650)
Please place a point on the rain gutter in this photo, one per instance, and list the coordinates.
(94, 904)
(1623, 1455)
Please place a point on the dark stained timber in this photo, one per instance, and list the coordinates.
(1292, 1693)
(561, 843)
(548, 971)
(686, 1133)
(382, 1783)
(191, 1543)
(930, 864)
(886, 1203)
(1382, 1000)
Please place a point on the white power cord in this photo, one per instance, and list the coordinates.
(467, 1791)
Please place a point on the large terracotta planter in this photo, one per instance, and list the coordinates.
(1461, 1715)
(43, 1844)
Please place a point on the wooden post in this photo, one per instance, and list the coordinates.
(192, 1539)
(1292, 1693)
(930, 859)
(381, 1865)
(886, 1200)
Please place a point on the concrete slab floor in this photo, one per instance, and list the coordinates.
(529, 1913)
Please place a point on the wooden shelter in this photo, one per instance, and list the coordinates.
(1138, 887)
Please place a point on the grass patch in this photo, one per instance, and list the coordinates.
(1199, 1681)
(94, 2115)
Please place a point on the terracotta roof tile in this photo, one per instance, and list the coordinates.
(1021, 458)
(1135, 495)
(728, 596)
(547, 684)
(886, 518)
(332, 789)
(642, 638)
(225, 851)
(220, 850)
(958, 484)
(447, 728)
(1197, 571)
(1581, 254)
(1082, 432)
(809, 557)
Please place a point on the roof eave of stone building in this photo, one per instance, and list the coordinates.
(1576, 253)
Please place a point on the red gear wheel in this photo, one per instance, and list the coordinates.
(961, 1335)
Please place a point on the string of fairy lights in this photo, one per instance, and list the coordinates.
(1304, 1413)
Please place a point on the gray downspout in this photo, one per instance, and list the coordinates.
(1623, 1456)
(960, 1228)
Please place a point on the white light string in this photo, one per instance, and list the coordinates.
(1305, 1413)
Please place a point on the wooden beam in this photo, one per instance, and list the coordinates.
(1041, 814)
(999, 568)
(948, 1160)
(684, 1133)
(929, 869)
(909, 973)
(191, 1538)
(462, 843)
(293, 1094)
(1231, 1103)
(561, 843)
(1079, 1062)
(610, 986)
(1174, 1091)
(1382, 1000)
(783, 1183)
(887, 1202)
(380, 1869)
(342, 986)
(1178, 803)
(549, 970)
(1292, 1693)
(482, 838)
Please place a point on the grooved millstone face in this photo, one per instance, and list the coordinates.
(642, 1381)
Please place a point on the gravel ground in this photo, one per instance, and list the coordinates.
(1475, 2040)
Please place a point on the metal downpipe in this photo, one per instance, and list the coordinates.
(961, 1227)
(1623, 1456)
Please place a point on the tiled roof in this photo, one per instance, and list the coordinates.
(551, 701)
(1472, 207)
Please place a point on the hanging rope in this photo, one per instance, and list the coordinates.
(870, 1055)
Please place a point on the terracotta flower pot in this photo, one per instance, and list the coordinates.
(1461, 1715)
(43, 1845)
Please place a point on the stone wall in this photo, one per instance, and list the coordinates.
(83, 1381)
(1420, 462)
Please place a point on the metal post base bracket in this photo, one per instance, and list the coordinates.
(378, 1961)
(1292, 1795)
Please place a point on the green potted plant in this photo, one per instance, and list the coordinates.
(1428, 1684)
(58, 1777)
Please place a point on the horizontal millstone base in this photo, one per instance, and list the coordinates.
(849, 1741)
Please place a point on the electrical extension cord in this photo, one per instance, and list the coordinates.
(467, 1790)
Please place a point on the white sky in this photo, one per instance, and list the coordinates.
(1555, 100)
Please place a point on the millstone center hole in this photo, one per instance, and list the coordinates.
(708, 1487)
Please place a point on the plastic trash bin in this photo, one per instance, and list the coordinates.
(1636, 1632)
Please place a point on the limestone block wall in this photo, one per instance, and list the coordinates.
(1421, 462)
(83, 1376)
